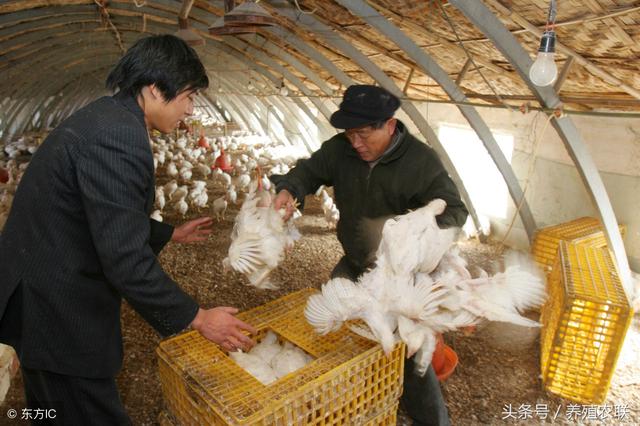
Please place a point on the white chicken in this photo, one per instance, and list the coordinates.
(333, 216)
(232, 195)
(200, 201)
(259, 238)
(242, 182)
(343, 300)
(219, 208)
(255, 366)
(420, 287)
(181, 192)
(268, 347)
(266, 183)
(327, 201)
(182, 206)
(186, 173)
(224, 178)
(172, 170)
(157, 215)
(268, 360)
(331, 212)
(413, 242)
(169, 188)
(203, 170)
(501, 297)
(160, 200)
(289, 359)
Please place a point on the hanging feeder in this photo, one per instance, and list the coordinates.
(249, 13)
(218, 28)
(184, 32)
(246, 18)
(202, 142)
(223, 162)
(187, 34)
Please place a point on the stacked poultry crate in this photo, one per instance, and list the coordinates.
(584, 323)
(349, 382)
(586, 231)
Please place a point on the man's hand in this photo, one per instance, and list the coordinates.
(285, 200)
(221, 327)
(192, 231)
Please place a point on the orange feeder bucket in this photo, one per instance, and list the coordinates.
(444, 360)
(222, 162)
(202, 143)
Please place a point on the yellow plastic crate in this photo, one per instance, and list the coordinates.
(387, 417)
(584, 322)
(585, 230)
(350, 381)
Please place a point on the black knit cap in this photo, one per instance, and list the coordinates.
(364, 104)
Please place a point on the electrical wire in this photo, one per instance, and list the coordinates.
(105, 14)
(532, 163)
(470, 57)
(553, 12)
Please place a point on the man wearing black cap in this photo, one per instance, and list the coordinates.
(377, 170)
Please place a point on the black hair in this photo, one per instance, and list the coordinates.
(164, 60)
(378, 124)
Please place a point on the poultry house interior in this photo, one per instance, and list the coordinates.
(532, 108)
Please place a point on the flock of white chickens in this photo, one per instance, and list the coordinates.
(420, 287)
(193, 167)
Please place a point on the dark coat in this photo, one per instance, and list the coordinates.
(404, 179)
(79, 238)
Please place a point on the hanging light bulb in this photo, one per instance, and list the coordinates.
(283, 89)
(544, 71)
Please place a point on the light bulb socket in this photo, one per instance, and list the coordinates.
(548, 42)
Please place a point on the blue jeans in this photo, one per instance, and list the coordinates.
(421, 397)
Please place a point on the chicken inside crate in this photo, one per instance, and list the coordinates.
(348, 381)
(272, 358)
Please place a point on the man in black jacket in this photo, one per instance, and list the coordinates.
(377, 170)
(79, 238)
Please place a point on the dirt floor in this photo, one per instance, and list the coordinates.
(496, 381)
